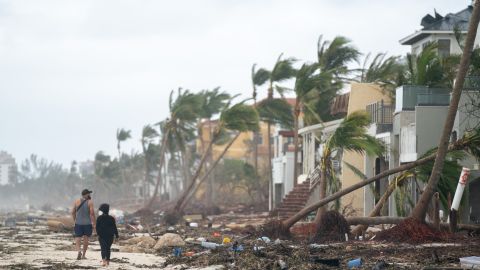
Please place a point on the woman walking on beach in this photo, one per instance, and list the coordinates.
(106, 230)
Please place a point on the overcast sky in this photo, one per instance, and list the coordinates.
(72, 72)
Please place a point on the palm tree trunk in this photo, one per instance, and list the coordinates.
(323, 193)
(306, 210)
(296, 142)
(163, 149)
(147, 173)
(421, 207)
(209, 193)
(378, 207)
(270, 177)
(209, 171)
(185, 169)
(191, 185)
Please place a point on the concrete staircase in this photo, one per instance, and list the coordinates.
(293, 201)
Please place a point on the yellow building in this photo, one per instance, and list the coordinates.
(242, 148)
(361, 95)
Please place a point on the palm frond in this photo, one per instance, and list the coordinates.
(260, 77)
(283, 69)
(123, 134)
(276, 111)
(240, 117)
(351, 135)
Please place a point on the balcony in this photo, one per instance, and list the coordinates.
(409, 96)
(381, 115)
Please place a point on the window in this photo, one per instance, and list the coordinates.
(444, 47)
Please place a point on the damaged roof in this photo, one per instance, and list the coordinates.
(438, 24)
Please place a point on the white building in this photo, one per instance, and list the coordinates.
(282, 164)
(8, 168)
(441, 30)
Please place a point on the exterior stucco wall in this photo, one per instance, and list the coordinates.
(361, 94)
(429, 122)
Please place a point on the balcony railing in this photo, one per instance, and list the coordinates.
(382, 115)
(433, 100)
(409, 96)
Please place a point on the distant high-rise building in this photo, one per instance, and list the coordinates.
(8, 168)
(86, 168)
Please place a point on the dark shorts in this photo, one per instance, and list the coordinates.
(83, 230)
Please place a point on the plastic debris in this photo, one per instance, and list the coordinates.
(265, 239)
(318, 246)
(201, 239)
(355, 263)
(472, 262)
(193, 224)
(216, 234)
(257, 248)
(177, 252)
(226, 240)
(210, 245)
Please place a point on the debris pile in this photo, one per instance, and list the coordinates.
(412, 231)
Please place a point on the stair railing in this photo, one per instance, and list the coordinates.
(314, 177)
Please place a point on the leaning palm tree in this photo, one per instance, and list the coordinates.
(282, 70)
(238, 118)
(183, 116)
(122, 136)
(148, 134)
(351, 135)
(308, 82)
(420, 209)
(259, 77)
(333, 60)
(213, 101)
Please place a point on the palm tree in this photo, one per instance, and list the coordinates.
(184, 112)
(148, 134)
(213, 102)
(308, 82)
(239, 118)
(259, 78)
(122, 135)
(351, 135)
(282, 71)
(420, 209)
(333, 58)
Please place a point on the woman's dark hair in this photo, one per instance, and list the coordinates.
(104, 207)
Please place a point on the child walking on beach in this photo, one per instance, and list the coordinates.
(106, 230)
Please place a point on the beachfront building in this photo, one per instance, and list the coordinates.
(8, 168)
